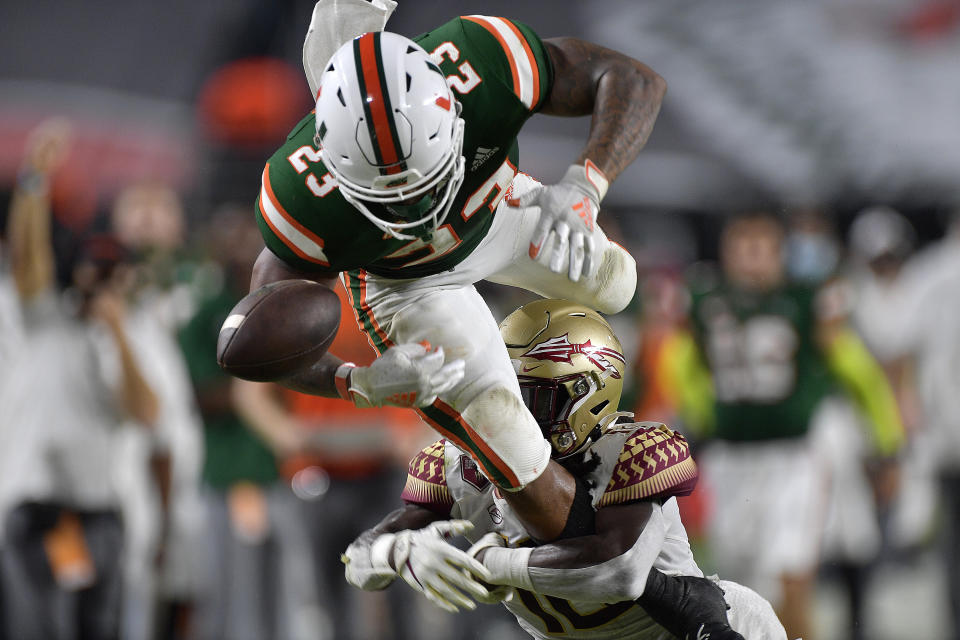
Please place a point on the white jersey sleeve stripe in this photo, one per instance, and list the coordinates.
(526, 77)
(297, 237)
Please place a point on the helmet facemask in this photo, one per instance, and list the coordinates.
(555, 402)
(408, 210)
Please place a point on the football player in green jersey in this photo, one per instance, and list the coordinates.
(404, 183)
(776, 353)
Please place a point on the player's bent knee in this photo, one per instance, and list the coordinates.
(615, 281)
(512, 441)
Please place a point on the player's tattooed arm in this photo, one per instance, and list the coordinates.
(622, 94)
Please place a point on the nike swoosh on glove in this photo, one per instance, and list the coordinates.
(568, 212)
(407, 375)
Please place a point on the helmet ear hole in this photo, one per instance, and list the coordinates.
(600, 407)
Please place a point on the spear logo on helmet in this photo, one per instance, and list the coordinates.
(560, 349)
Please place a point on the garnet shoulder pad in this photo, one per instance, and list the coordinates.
(654, 462)
(426, 480)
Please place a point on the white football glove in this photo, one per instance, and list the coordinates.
(444, 574)
(568, 212)
(407, 375)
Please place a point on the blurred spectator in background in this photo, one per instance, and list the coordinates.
(852, 537)
(161, 473)
(257, 563)
(776, 353)
(931, 281)
(76, 380)
(881, 241)
(813, 250)
(354, 457)
(664, 303)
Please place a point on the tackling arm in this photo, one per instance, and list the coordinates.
(609, 566)
(411, 543)
(615, 565)
(622, 95)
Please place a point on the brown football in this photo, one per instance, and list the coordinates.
(278, 329)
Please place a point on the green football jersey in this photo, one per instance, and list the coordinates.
(501, 74)
(768, 373)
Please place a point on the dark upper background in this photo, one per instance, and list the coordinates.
(826, 103)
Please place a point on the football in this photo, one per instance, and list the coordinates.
(278, 329)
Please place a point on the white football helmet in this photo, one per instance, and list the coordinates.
(390, 132)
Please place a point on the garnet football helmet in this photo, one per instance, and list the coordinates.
(390, 132)
(570, 368)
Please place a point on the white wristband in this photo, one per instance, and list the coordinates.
(341, 379)
(509, 566)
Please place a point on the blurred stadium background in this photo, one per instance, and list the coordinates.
(826, 107)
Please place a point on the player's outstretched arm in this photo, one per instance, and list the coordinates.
(608, 566)
(614, 565)
(320, 378)
(411, 543)
(405, 375)
(623, 96)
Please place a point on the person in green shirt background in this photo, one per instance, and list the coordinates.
(766, 364)
(259, 577)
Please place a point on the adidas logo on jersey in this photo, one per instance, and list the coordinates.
(482, 155)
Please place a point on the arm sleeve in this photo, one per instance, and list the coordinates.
(619, 579)
(864, 379)
(690, 383)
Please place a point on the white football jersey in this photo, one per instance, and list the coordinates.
(639, 461)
